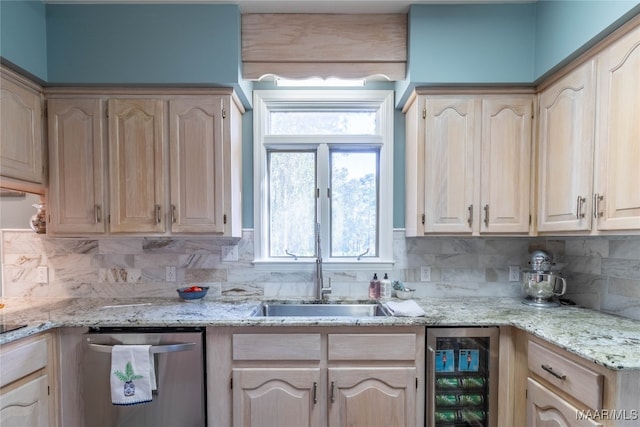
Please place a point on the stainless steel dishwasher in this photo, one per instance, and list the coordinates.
(179, 363)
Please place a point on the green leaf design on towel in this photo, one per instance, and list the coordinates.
(128, 374)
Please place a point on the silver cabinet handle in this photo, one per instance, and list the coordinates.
(333, 394)
(315, 393)
(173, 213)
(470, 218)
(167, 348)
(486, 215)
(158, 219)
(550, 370)
(98, 212)
(581, 200)
(597, 198)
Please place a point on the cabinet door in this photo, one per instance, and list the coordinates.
(617, 135)
(136, 165)
(565, 181)
(26, 405)
(547, 409)
(506, 164)
(372, 397)
(275, 397)
(450, 136)
(76, 157)
(20, 131)
(196, 144)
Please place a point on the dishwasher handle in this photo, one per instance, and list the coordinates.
(155, 349)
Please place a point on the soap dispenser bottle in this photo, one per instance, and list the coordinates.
(385, 287)
(374, 287)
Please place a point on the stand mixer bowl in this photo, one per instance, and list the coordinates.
(542, 287)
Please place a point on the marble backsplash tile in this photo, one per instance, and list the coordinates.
(602, 273)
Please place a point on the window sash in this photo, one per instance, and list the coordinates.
(380, 100)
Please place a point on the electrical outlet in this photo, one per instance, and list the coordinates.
(42, 274)
(171, 274)
(229, 253)
(425, 274)
(514, 273)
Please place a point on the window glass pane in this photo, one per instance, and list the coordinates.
(354, 203)
(292, 203)
(323, 123)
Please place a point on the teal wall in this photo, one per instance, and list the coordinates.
(143, 44)
(23, 39)
(565, 29)
(487, 43)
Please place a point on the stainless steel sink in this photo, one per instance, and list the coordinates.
(320, 310)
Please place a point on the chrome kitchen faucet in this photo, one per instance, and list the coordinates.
(321, 291)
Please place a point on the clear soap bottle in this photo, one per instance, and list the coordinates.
(385, 287)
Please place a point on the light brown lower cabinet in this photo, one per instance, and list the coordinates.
(547, 409)
(26, 392)
(565, 390)
(316, 377)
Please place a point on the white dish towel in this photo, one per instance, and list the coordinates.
(132, 374)
(408, 308)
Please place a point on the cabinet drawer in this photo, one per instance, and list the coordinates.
(578, 381)
(372, 346)
(276, 347)
(20, 359)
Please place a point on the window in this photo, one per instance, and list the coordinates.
(323, 168)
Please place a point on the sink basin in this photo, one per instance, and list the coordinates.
(320, 310)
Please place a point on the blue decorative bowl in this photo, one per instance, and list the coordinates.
(187, 295)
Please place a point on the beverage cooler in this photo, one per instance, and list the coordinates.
(462, 377)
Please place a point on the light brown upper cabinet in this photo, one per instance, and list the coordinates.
(565, 179)
(589, 178)
(617, 155)
(21, 141)
(468, 163)
(76, 198)
(136, 165)
(174, 162)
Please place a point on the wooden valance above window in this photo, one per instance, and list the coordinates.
(324, 45)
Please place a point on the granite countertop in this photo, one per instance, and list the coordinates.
(608, 340)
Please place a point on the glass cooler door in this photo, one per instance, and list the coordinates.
(462, 377)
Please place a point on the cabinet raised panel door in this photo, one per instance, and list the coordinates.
(76, 156)
(372, 397)
(136, 166)
(197, 167)
(506, 164)
(450, 147)
(27, 405)
(275, 397)
(20, 132)
(566, 137)
(547, 409)
(617, 189)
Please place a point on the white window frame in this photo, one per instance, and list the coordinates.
(381, 100)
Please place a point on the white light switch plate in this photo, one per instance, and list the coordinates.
(425, 274)
(171, 274)
(514, 273)
(42, 275)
